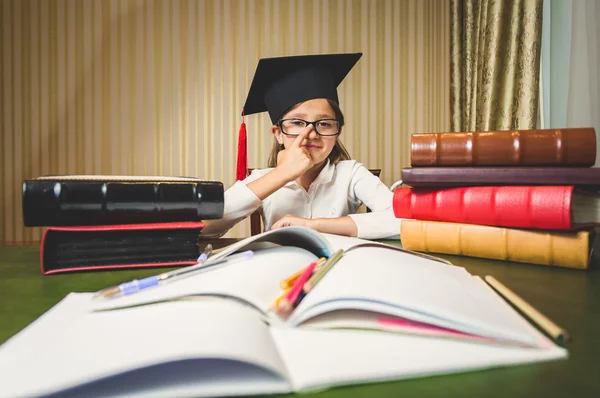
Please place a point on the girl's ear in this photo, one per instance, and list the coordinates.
(276, 131)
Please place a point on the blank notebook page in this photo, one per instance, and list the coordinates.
(375, 276)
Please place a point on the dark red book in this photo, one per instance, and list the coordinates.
(107, 247)
(587, 178)
(534, 207)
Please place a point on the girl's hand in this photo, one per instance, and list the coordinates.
(289, 221)
(295, 160)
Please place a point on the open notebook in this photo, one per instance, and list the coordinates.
(381, 313)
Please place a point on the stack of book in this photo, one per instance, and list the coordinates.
(110, 222)
(527, 196)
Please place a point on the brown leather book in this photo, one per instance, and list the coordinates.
(562, 147)
(587, 178)
(569, 249)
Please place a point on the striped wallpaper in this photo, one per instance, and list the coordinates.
(148, 87)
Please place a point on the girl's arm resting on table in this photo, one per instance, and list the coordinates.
(369, 189)
(339, 226)
(377, 224)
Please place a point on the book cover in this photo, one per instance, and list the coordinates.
(102, 200)
(106, 247)
(535, 207)
(586, 178)
(568, 249)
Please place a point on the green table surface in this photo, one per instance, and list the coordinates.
(569, 297)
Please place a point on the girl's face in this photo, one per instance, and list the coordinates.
(318, 146)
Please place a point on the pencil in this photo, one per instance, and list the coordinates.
(552, 329)
(289, 282)
(287, 302)
(275, 303)
(310, 284)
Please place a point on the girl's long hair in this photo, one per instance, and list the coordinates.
(339, 152)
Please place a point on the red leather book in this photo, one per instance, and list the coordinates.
(534, 207)
(541, 147)
(106, 247)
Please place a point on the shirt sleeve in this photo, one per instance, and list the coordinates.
(381, 221)
(239, 203)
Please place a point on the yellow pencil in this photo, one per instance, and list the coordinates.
(555, 331)
(289, 282)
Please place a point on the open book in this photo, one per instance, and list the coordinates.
(381, 313)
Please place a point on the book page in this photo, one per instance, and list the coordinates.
(255, 281)
(585, 208)
(352, 356)
(192, 348)
(302, 237)
(407, 286)
(344, 242)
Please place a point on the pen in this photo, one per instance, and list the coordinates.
(204, 256)
(555, 331)
(136, 285)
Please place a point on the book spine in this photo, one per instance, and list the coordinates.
(127, 246)
(563, 147)
(583, 177)
(561, 249)
(541, 207)
(71, 203)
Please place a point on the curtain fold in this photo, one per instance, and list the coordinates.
(494, 64)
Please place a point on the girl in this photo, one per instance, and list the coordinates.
(311, 180)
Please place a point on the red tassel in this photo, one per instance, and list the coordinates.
(242, 155)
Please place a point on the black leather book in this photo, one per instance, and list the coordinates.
(105, 200)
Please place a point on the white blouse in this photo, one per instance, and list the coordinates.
(337, 191)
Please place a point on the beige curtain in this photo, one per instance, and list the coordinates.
(495, 62)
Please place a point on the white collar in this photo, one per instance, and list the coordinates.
(325, 175)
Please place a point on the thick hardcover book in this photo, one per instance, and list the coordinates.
(104, 200)
(587, 178)
(559, 147)
(537, 207)
(70, 249)
(569, 249)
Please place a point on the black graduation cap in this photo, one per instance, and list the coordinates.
(282, 82)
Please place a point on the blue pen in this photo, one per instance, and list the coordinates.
(137, 285)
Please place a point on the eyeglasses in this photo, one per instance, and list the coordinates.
(324, 127)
